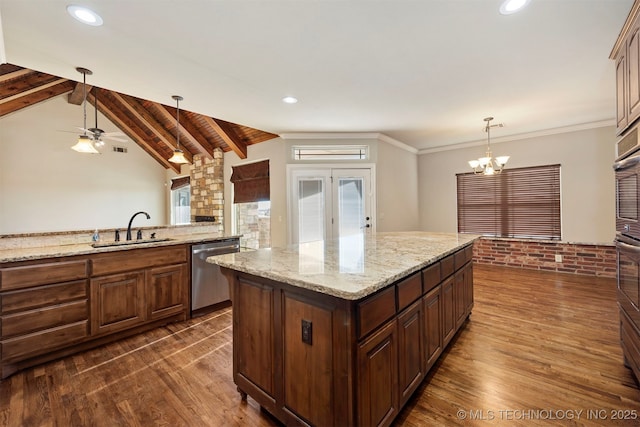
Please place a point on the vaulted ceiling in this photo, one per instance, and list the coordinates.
(149, 124)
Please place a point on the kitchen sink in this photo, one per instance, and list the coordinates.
(130, 242)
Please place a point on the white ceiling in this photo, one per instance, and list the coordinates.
(424, 72)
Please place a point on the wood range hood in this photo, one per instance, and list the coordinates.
(149, 124)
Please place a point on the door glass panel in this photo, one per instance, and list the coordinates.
(351, 206)
(311, 209)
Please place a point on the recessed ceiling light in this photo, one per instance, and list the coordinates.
(512, 6)
(85, 15)
(289, 100)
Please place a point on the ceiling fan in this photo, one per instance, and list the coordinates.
(96, 133)
(88, 143)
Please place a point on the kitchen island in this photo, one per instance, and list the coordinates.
(342, 332)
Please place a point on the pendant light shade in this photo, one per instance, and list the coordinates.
(178, 154)
(84, 144)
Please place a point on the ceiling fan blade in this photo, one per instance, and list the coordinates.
(113, 134)
(113, 138)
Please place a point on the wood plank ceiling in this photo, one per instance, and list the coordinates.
(151, 125)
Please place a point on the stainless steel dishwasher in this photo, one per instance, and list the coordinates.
(208, 284)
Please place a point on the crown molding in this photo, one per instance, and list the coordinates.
(517, 137)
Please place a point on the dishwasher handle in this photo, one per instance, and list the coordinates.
(218, 250)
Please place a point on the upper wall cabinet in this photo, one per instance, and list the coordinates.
(626, 53)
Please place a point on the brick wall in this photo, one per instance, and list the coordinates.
(207, 186)
(593, 260)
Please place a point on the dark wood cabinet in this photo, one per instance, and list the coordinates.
(117, 302)
(433, 329)
(377, 395)
(313, 359)
(626, 54)
(166, 291)
(410, 350)
(55, 307)
(448, 310)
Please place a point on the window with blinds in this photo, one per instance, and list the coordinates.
(521, 202)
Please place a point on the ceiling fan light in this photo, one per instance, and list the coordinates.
(85, 145)
(178, 157)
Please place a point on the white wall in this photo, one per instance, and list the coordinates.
(588, 197)
(397, 181)
(46, 186)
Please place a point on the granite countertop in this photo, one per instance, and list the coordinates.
(56, 251)
(351, 267)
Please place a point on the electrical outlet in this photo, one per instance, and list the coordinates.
(307, 334)
(558, 258)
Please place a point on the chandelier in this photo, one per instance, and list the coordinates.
(488, 165)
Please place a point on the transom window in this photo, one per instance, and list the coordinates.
(330, 152)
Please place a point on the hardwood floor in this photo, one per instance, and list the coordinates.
(539, 349)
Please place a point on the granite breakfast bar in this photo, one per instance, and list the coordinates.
(342, 332)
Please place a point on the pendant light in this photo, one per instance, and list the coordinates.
(84, 144)
(488, 165)
(178, 154)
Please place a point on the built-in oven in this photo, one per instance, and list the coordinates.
(627, 174)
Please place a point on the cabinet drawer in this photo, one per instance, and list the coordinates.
(459, 259)
(138, 259)
(37, 343)
(42, 296)
(42, 274)
(431, 277)
(447, 267)
(409, 290)
(44, 318)
(375, 310)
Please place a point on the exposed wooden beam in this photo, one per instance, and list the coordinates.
(14, 75)
(76, 97)
(31, 91)
(142, 115)
(114, 117)
(229, 136)
(18, 102)
(192, 140)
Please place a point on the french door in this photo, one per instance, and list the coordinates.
(330, 202)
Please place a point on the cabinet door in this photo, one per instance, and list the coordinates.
(410, 350)
(377, 377)
(308, 361)
(621, 91)
(254, 337)
(633, 82)
(458, 298)
(117, 302)
(448, 311)
(433, 326)
(468, 288)
(166, 291)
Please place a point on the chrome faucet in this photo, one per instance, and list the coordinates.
(131, 220)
